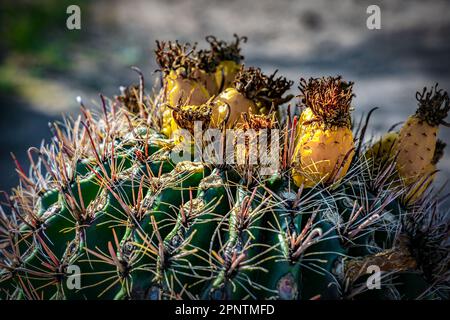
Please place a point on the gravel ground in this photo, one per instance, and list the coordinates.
(300, 38)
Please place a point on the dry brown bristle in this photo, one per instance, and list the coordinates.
(329, 99)
(249, 81)
(434, 105)
(222, 51)
(259, 121)
(175, 56)
(257, 86)
(185, 116)
(205, 60)
(276, 87)
(130, 98)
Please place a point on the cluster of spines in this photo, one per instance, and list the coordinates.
(115, 201)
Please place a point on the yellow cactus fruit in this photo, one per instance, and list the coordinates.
(230, 104)
(252, 92)
(205, 71)
(176, 95)
(169, 125)
(229, 59)
(185, 116)
(182, 79)
(178, 64)
(416, 143)
(208, 81)
(421, 185)
(382, 150)
(182, 90)
(226, 73)
(325, 146)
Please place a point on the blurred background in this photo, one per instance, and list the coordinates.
(44, 66)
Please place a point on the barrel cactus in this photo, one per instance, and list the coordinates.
(212, 186)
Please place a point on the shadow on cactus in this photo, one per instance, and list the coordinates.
(108, 210)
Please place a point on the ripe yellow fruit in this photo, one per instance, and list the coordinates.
(229, 60)
(207, 80)
(416, 143)
(184, 117)
(420, 186)
(415, 146)
(229, 107)
(323, 153)
(182, 90)
(184, 80)
(226, 73)
(325, 145)
(179, 91)
(252, 92)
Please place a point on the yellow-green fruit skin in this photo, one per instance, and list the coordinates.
(181, 91)
(208, 81)
(226, 72)
(320, 153)
(305, 117)
(382, 150)
(238, 104)
(421, 184)
(169, 125)
(415, 146)
(385, 149)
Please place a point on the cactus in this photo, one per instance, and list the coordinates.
(108, 210)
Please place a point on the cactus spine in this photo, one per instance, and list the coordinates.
(110, 199)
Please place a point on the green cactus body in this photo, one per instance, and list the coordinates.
(115, 216)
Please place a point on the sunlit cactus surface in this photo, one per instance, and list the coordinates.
(220, 181)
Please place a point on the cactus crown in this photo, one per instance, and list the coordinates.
(222, 51)
(329, 99)
(172, 56)
(266, 89)
(434, 105)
